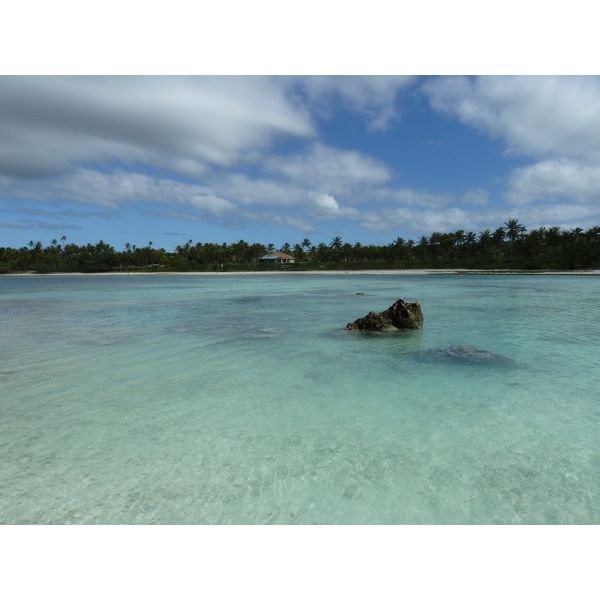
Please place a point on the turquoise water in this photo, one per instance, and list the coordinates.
(241, 399)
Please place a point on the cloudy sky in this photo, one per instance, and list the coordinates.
(275, 159)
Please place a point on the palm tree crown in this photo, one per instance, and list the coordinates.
(336, 243)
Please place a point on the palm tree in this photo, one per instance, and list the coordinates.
(470, 239)
(298, 252)
(514, 230)
(305, 243)
(498, 237)
(347, 251)
(484, 240)
(336, 243)
(255, 252)
(434, 240)
(126, 256)
(593, 236)
(53, 252)
(36, 248)
(533, 241)
(357, 251)
(593, 232)
(63, 239)
(321, 251)
(398, 245)
(553, 238)
(459, 237)
(286, 248)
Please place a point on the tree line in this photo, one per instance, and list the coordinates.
(507, 246)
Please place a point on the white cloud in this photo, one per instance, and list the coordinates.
(423, 221)
(556, 119)
(256, 192)
(330, 169)
(328, 207)
(97, 140)
(52, 124)
(238, 201)
(552, 180)
(414, 197)
(294, 221)
(325, 202)
(12, 226)
(114, 190)
(180, 215)
(539, 116)
(373, 96)
(477, 197)
(388, 220)
(564, 215)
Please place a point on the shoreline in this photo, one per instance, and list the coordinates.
(583, 272)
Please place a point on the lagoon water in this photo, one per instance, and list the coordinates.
(231, 399)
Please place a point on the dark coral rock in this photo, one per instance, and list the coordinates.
(465, 355)
(401, 315)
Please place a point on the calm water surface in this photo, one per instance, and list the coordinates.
(241, 399)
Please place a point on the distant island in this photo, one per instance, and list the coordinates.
(510, 246)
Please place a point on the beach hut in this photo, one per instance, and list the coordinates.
(277, 257)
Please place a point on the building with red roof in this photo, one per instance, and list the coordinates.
(277, 257)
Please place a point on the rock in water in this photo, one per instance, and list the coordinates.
(465, 355)
(401, 315)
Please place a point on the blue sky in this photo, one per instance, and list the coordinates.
(276, 159)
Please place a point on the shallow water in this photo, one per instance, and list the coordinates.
(241, 399)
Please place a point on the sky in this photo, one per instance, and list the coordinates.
(276, 159)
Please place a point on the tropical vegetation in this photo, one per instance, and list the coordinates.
(509, 246)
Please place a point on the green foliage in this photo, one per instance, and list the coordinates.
(98, 262)
(44, 269)
(507, 247)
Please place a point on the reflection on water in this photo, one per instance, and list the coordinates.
(244, 400)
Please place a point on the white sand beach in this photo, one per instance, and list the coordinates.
(591, 272)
